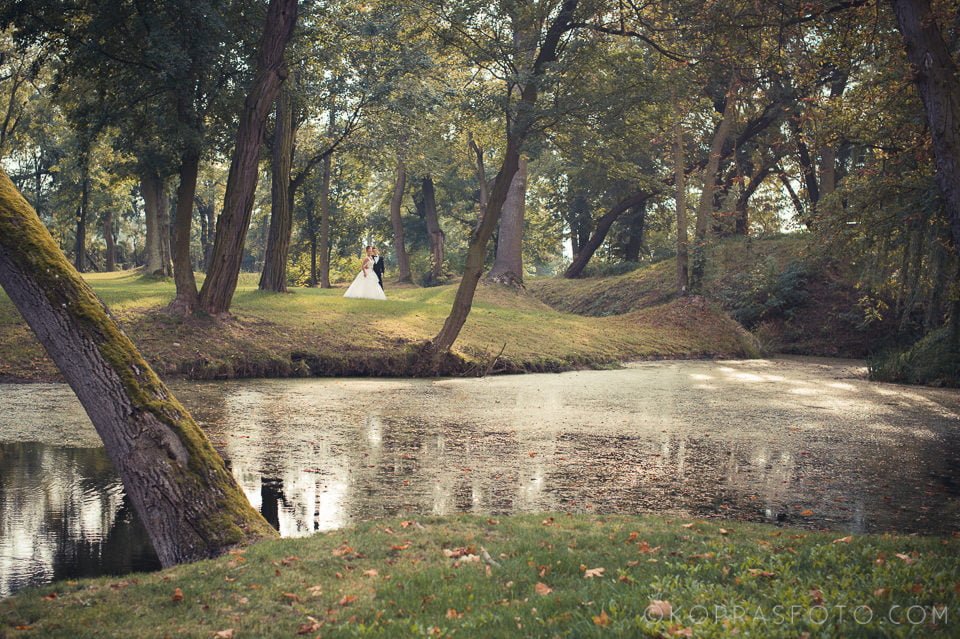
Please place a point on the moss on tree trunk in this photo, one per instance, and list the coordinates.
(190, 504)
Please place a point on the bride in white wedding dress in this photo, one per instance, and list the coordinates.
(366, 285)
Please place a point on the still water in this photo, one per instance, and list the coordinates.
(803, 442)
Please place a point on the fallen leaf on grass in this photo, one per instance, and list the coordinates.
(224, 634)
(723, 531)
(292, 597)
(23, 627)
(881, 592)
(844, 540)
(907, 559)
(690, 525)
(646, 549)
(542, 589)
(757, 572)
(679, 631)
(177, 595)
(453, 614)
(658, 609)
(51, 597)
(593, 572)
(602, 619)
(816, 596)
(346, 600)
(399, 547)
(806, 513)
(370, 573)
(310, 627)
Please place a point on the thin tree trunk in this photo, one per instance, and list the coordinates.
(308, 207)
(680, 180)
(403, 260)
(434, 231)
(516, 135)
(706, 206)
(600, 234)
(274, 276)
(110, 258)
(938, 81)
(636, 228)
(187, 297)
(481, 174)
(217, 292)
(508, 265)
(191, 506)
(165, 228)
(933, 317)
(150, 187)
(322, 247)
(80, 247)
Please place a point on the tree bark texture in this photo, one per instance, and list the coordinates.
(481, 173)
(680, 181)
(403, 260)
(221, 283)
(508, 265)
(274, 276)
(938, 81)
(706, 206)
(110, 258)
(191, 506)
(321, 249)
(187, 297)
(600, 233)
(151, 187)
(636, 227)
(434, 231)
(80, 247)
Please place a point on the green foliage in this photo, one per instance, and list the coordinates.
(933, 360)
(539, 575)
(767, 291)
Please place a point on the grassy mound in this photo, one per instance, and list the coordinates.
(793, 299)
(933, 360)
(319, 332)
(531, 576)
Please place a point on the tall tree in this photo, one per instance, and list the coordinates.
(217, 292)
(191, 506)
(274, 276)
(938, 80)
(399, 242)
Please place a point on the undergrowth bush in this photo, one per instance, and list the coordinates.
(766, 292)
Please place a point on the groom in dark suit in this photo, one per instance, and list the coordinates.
(378, 265)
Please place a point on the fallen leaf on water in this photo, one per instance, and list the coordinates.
(542, 589)
(532, 453)
(177, 595)
(658, 609)
(593, 572)
(844, 540)
(602, 619)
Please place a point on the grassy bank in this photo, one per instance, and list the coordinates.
(789, 295)
(318, 332)
(530, 575)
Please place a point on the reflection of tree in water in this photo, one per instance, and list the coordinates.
(62, 514)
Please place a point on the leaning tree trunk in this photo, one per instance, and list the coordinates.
(191, 506)
(706, 206)
(516, 135)
(403, 260)
(274, 276)
(938, 80)
(187, 298)
(507, 267)
(600, 234)
(434, 231)
(221, 283)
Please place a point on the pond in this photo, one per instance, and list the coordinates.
(797, 441)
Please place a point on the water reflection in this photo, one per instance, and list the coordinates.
(727, 439)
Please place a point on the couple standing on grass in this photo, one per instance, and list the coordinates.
(368, 284)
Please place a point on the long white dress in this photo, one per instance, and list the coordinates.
(366, 285)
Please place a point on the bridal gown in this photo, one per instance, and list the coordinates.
(366, 287)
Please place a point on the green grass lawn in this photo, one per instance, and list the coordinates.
(319, 332)
(525, 576)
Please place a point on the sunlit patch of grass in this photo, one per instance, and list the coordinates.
(525, 575)
(269, 333)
